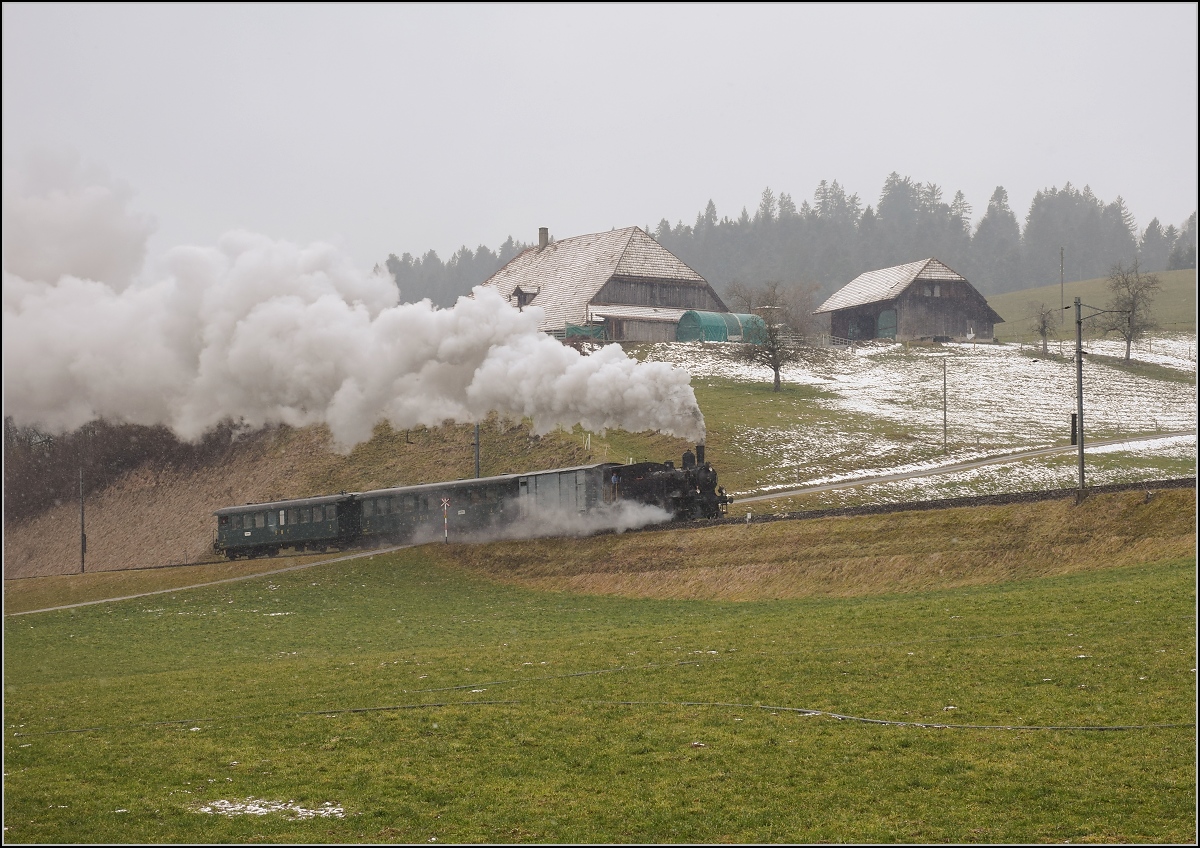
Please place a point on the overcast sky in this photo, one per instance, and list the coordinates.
(393, 128)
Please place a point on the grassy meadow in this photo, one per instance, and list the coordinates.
(436, 694)
(1174, 308)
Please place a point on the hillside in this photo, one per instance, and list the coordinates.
(1174, 308)
(852, 556)
(157, 516)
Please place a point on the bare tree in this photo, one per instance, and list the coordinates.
(784, 311)
(1132, 293)
(1045, 320)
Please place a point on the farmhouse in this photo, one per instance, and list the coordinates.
(619, 285)
(919, 300)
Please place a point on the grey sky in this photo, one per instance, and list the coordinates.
(392, 128)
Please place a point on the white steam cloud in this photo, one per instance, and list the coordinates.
(264, 331)
(616, 517)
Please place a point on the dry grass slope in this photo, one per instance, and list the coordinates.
(852, 556)
(155, 517)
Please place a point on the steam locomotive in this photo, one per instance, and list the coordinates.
(465, 508)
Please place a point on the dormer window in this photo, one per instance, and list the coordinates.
(523, 298)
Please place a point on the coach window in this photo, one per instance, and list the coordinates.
(260, 520)
(330, 512)
(282, 517)
(271, 519)
(368, 508)
(305, 514)
(293, 516)
(410, 503)
(236, 522)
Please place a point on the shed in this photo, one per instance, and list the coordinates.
(920, 300)
(620, 281)
(697, 326)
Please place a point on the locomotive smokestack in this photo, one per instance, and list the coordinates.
(699, 454)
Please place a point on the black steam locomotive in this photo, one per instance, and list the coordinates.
(465, 508)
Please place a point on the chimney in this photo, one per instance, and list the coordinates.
(543, 237)
(700, 454)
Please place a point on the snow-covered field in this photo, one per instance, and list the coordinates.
(1142, 461)
(998, 399)
(1176, 350)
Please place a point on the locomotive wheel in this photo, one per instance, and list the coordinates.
(272, 551)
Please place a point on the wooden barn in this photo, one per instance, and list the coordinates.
(920, 300)
(619, 285)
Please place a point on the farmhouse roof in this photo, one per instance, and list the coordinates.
(567, 274)
(888, 283)
(598, 312)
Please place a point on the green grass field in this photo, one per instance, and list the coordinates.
(423, 700)
(1174, 308)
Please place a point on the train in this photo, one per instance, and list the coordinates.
(465, 509)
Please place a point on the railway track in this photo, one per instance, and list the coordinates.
(958, 466)
(941, 503)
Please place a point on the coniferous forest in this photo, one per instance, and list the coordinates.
(828, 241)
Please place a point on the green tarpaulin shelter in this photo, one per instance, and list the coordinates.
(697, 326)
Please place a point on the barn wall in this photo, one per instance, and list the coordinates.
(663, 293)
(635, 330)
(856, 323)
(947, 310)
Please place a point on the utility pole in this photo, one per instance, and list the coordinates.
(1079, 389)
(82, 534)
(1079, 380)
(945, 441)
(1062, 292)
(476, 450)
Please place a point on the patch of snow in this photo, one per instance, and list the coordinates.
(257, 807)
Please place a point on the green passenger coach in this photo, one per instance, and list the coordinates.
(253, 530)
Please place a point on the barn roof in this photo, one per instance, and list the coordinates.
(567, 274)
(887, 284)
(599, 312)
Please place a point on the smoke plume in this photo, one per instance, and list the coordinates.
(265, 331)
(617, 517)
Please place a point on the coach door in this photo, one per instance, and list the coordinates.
(349, 518)
(581, 492)
(526, 492)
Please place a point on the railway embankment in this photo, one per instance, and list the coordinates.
(861, 550)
